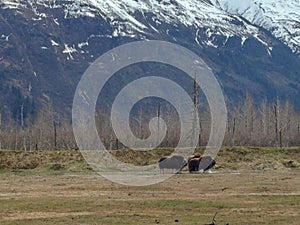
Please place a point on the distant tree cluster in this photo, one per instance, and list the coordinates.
(249, 124)
(46, 131)
(268, 124)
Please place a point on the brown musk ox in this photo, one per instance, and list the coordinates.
(200, 163)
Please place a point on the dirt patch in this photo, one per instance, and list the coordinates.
(41, 215)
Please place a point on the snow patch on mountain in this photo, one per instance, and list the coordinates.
(198, 13)
(282, 18)
(69, 51)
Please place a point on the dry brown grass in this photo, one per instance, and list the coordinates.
(265, 191)
(229, 158)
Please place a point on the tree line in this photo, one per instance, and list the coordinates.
(267, 124)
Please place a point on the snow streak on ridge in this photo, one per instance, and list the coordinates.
(281, 17)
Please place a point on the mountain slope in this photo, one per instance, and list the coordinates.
(47, 45)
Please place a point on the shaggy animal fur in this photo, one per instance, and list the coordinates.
(175, 162)
(198, 162)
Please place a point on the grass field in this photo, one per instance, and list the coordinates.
(248, 186)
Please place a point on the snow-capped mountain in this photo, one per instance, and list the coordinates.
(46, 45)
(130, 17)
(281, 17)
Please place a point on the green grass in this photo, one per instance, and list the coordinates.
(189, 204)
(149, 211)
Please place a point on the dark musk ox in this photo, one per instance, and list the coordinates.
(175, 162)
(193, 162)
(198, 162)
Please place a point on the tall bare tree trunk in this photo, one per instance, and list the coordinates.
(55, 135)
(195, 111)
